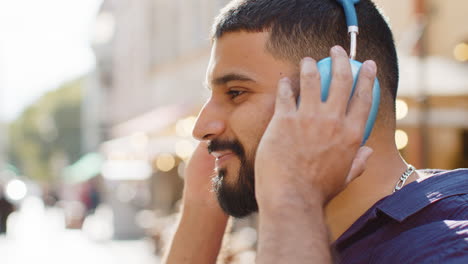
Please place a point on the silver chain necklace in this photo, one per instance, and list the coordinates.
(401, 182)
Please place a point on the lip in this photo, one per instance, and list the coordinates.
(221, 157)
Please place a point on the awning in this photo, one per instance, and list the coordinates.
(8, 172)
(149, 134)
(154, 121)
(87, 167)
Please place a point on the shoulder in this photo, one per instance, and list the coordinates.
(425, 222)
(431, 221)
(447, 191)
(435, 242)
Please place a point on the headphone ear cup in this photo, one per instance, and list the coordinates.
(325, 69)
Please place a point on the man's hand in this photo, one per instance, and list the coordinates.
(201, 228)
(307, 150)
(198, 175)
(305, 157)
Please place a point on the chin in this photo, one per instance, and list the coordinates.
(235, 196)
(228, 173)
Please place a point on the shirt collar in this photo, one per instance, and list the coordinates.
(419, 194)
(413, 198)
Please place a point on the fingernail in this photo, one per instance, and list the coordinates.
(307, 64)
(338, 50)
(284, 87)
(371, 66)
(306, 59)
(285, 79)
(285, 91)
(367, 150)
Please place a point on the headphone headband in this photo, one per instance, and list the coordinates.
(352, 22)
(350, 11)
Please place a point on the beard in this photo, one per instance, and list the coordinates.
(237, 196)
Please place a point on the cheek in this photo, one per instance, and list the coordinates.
(251, 120)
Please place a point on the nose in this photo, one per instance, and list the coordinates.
(210, 122)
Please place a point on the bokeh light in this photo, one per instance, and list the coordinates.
(460, 52)
(165, 162)
(139, 140)
(401, 139)
(16, 190)
(184, 149)
(401, 109)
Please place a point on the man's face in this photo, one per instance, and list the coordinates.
(243, 79)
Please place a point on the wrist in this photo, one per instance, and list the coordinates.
(203, 212)
(281, 210)
(199, 235)
(290, 198)
(299, 225)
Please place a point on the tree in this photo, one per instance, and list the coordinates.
(46, 137)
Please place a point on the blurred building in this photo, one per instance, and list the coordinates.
(3, 144)
(3, 157)
(151, 58)
(433, 107)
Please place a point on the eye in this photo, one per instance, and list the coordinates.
(234, 93)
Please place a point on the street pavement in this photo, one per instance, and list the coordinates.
(38, 235)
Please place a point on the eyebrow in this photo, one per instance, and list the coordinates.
(222, 80)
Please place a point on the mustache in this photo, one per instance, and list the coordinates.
(219, 145)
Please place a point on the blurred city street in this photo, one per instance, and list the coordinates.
(99, 101)
(38, 235)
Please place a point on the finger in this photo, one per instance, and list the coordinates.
(341, 83)
(361, 102)
(310, 85)
(285, 101)
(359, 163)
(201, 162)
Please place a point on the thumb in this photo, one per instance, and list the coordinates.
(359, 163)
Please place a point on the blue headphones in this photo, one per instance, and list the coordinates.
(325, 66)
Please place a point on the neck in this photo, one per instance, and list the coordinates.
(383, 169)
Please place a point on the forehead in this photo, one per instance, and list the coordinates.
(245, 53)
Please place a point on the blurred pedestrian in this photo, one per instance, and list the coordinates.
(90, 196)
(6, 208)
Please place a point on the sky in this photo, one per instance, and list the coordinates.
(42, 44)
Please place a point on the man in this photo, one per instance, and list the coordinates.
(301, 165)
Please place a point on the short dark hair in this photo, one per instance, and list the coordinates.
(300, 28)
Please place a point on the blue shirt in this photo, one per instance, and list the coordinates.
(425, 222)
